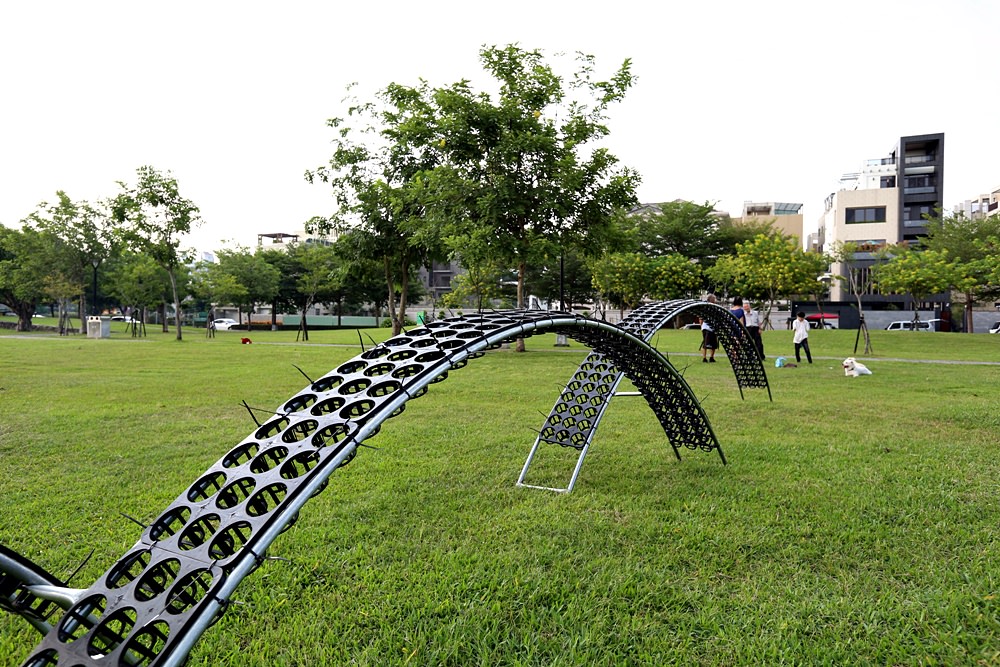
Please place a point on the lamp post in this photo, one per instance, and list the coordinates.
(95, 262)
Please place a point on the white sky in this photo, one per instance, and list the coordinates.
(735, 100)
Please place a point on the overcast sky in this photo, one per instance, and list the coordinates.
(735, 100)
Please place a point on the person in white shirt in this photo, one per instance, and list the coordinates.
(709, 342)
(801, 336)
(753, 322)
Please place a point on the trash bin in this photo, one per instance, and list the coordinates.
(98, 327)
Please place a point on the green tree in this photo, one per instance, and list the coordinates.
(138, 283)
(918, 273)
(526, 165)
(284, 300)
(562, 274)
(674, 276)
(154, 217)
(258, 279)
(967, 242)
(380, 152)
(858, 280)
(320, 278)
(622, 278)
(25, 262)
(83, 241)
(769, 268)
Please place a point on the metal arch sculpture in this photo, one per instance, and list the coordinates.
(154, 603)
(596, 379)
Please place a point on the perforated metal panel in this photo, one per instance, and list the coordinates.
(579, 409)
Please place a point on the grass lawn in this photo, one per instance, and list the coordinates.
(856, 523)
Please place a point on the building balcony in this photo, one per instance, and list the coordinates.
(924, 190)
(919, 159)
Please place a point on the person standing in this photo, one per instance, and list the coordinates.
(737, 310)
(709, 342)
(752, 320)
(801, 336)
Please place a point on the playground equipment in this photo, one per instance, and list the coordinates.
(151, 606)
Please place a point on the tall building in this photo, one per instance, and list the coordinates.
(884, 204)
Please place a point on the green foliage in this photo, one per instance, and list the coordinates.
(623, 278)
(688, 229)
(81, 236)
(25, 260)
(919, 273)
(525, 166)
(251, 279)
(152, 217)
(973, 248)
(674, 276)
(138, 281)
(769, 268)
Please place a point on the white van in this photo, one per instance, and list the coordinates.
(907, 325)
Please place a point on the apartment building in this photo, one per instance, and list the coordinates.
(882, 204)
(784, 217)
(982, 206)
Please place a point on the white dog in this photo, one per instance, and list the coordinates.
(854, 368)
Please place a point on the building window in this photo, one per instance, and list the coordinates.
(858, 215)
(922, 181)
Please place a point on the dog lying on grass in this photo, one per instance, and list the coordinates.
(854, 368)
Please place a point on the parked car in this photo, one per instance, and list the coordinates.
(908, 325)
(224, 324)
(995, 328)
(123, 318)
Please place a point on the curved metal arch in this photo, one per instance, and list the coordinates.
(598, 376)
(153, 604)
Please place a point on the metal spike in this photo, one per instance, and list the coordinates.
(303, 374)
(85, 560)
(252, 415)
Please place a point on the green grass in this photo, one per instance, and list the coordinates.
(856, 523)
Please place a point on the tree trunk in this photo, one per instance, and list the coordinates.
(404, 285)
(521, 270)
(391, 302)
(967, 314)
(82, 313)
(24, 312)
(177, 302)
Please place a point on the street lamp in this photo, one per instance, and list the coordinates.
(95, 262)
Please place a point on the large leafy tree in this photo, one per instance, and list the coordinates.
(695, 231)
(381, 151)
(83, 241)
(918, 273)
(138, 283)
(622, 278)
(285, 299)
(154, 217)
(769, 268)
(674, 276)
(26, 257)
(858, 280)
(319, 278)
(563, 274)
(257, 279)
(526, 164)
(968, 244)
